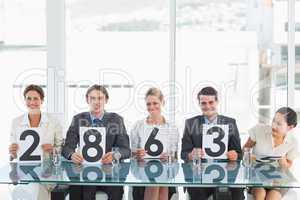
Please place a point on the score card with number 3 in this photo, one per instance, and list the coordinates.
(215, 141)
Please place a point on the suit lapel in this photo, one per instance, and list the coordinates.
(198, 136)
(88, 118)
(105, 121)
(219, 119)
(201, 119)
(105, 118)
(85, 120)
(201, 122)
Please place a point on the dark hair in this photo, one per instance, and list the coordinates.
(99, 88)
(36, 88)
(289, 114)
(209, 91)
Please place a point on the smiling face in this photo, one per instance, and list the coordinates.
(279, 125)
(154, 105)
(33, 101)
(208, 105)
(96, 101)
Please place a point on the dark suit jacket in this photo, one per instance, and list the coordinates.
(116, 134)
(192, 136)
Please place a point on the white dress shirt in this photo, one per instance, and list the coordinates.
(142, 130)
(52, 134)
(262, 135)
(50, 126)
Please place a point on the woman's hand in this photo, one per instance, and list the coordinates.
(163, 157)
(140, 154)
(284, 162)
(13, 148)
(47, 148)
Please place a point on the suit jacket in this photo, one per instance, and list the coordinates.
(116, 134)
(52, 129)
(192, 136)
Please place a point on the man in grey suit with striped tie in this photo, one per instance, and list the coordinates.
(116, 136)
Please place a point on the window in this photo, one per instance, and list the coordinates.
(297, 27)
(22, 57)
(228, 45)
(122, 46)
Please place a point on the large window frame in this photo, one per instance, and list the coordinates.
(56, 57)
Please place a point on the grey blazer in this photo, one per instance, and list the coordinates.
(192, 135)
(116, 134)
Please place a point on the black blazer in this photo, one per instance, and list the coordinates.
(116, 134)
(192, 136)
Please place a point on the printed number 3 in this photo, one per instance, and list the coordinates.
(217, 140)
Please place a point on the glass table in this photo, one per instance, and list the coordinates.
(151, 172)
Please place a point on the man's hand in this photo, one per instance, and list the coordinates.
(107, 158)
(77, 158)
(231, 165)
(13, 148)
(197, 153)
(232, 155)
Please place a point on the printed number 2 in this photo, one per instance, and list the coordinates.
(36, 140)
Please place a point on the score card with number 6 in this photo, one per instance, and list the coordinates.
(158, 141)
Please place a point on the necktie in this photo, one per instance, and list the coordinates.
(97, 122)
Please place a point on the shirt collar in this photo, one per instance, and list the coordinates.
(288, 137)
(167, 123)
(214, 122)
(26, 122)
(93, 117)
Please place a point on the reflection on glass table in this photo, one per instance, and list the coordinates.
(152, 172)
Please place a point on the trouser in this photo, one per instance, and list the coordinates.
(89, 192)
(205, 193)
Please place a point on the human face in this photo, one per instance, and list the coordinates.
(33, 101)
(154, 105)
(208, 105)
(96, 100)
(279, 125)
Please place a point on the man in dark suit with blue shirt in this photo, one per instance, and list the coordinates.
(116, 136)
(192, 138)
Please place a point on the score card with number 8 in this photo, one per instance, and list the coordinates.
(92, 143)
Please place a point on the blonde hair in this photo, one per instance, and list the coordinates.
(155, 92)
